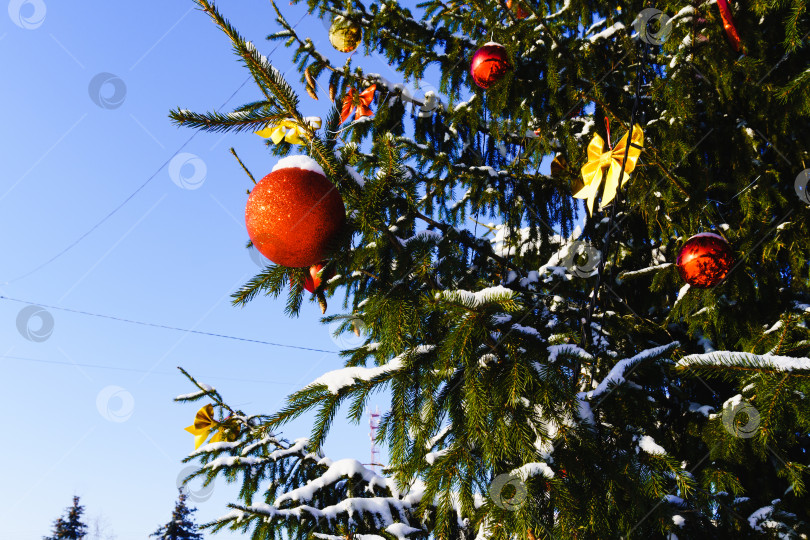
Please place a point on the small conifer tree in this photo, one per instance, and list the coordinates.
(71, 526)
(181, 526)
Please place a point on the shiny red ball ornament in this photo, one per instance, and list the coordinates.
(294, 214)
(315, 277)
(704, 260)
(520, 12)
(490, 64)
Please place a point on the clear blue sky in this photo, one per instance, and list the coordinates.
(171, 256)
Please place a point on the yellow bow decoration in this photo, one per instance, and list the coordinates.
(289, 130)
(203, 422)
(611, 160)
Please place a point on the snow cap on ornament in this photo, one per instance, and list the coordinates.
(490, 64)
(705, 260)
(294, 215)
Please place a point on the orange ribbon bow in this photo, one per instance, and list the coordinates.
(364, 100)
(728, 25)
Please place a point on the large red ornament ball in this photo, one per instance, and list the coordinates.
(490, 64)
(294, 214)
(704, 260)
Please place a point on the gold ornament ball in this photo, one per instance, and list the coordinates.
(344, 35)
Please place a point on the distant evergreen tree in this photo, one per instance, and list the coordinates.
(70, 527)
(181, 526)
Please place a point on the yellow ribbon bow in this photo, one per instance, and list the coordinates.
(203, 422)
(611, 160)
(289, 130)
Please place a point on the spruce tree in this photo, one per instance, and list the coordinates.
(181, 526)
(71, 526)
(551, 374)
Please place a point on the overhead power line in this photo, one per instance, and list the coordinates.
(134, 370)
(120, 205)
(166, 327)
(131, 195)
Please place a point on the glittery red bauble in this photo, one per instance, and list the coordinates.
(293, 216)
(704, 260)
(313, 280)
(489, 64)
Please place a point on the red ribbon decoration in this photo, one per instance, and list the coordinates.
(728, 24)
(364, 100)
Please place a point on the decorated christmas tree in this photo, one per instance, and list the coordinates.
(181, 526)
(71, 526)
(579, 266)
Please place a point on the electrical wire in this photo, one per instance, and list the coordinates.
(131, 195)
(166, 327)
(120, 205)
(134, 370)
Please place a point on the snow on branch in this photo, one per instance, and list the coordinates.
(401, 531)
(433, 441)
(233, 461)
(357, 508)
(298, 447)
(608, 32)
(638, 273)
(533, 469)
(476, 299)
(771, 519)
(681, 293)
(377, 501)
(192, 396)
(743, 360)
(560, 262)
(567, 349)
(649, 445)
(338, 379)
(559, 12)
(344, 468)
(619, 371)
(204, 389)
(423, 236)
(256, 444)
(214, 447)
(507, 242)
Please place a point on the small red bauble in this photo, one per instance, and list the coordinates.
(314, 279)
(490, 64)
(704, 260)
(520, 12)
(294, 214)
